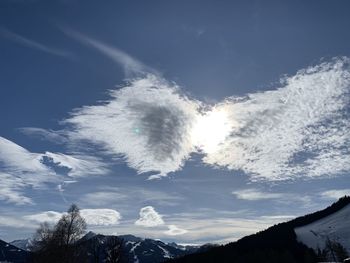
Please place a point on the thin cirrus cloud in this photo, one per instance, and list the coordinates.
(57, 137)
(254, 195)
(131, 65)
(173, 230)
(335, 193)
(22, 169)
(32, 44)
(301, 129)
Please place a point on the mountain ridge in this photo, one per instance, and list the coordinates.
(277, 243)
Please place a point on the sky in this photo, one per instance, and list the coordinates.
(186, 121)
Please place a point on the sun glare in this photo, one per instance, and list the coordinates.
(211, 129)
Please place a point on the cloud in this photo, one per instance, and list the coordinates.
(101, 217)
(149, 217)
(131, 65)
(93, 217)
(32, 44)
(78, 165)
(335, 193)
(48, 135)
(175, 231)
(147, 123)
(10, 190)
(254, 194)
(50, 217)
(301, 129)
(109, 195)
(22, 169)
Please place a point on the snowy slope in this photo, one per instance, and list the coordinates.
(336, 227)
(22, 244)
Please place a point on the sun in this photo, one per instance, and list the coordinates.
(211, 129)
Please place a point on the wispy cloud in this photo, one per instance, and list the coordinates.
(131, 65)
(32, 44)
(109, 195)
(299, 130)
(148, 123)
(173, 230)
(335, 193)
(78, 165)
(47, 135)
(22, 169)
(254, 194)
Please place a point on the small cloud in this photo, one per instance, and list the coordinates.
(175, 231)
(149, 217)
(335, 193)
(101, 217)
(254, 195)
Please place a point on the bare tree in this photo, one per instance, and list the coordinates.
(70, 227)
(57, 244)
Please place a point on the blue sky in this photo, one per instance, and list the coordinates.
(188, 121)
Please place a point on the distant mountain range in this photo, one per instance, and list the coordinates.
(134, 249)
(296, 241)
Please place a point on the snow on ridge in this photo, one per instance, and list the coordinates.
(335, 227)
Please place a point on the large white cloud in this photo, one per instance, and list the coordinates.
(93, 217)
(299, 129)
(148, 123)
(149, 217)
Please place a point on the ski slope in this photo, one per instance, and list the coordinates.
(336, 227)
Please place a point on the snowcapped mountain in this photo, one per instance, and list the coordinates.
(135, 249)
(22, 244)
(152, 251)
(335, 227)
(10, 253)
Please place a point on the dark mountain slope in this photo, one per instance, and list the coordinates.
(275, 244)
(10, 253)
